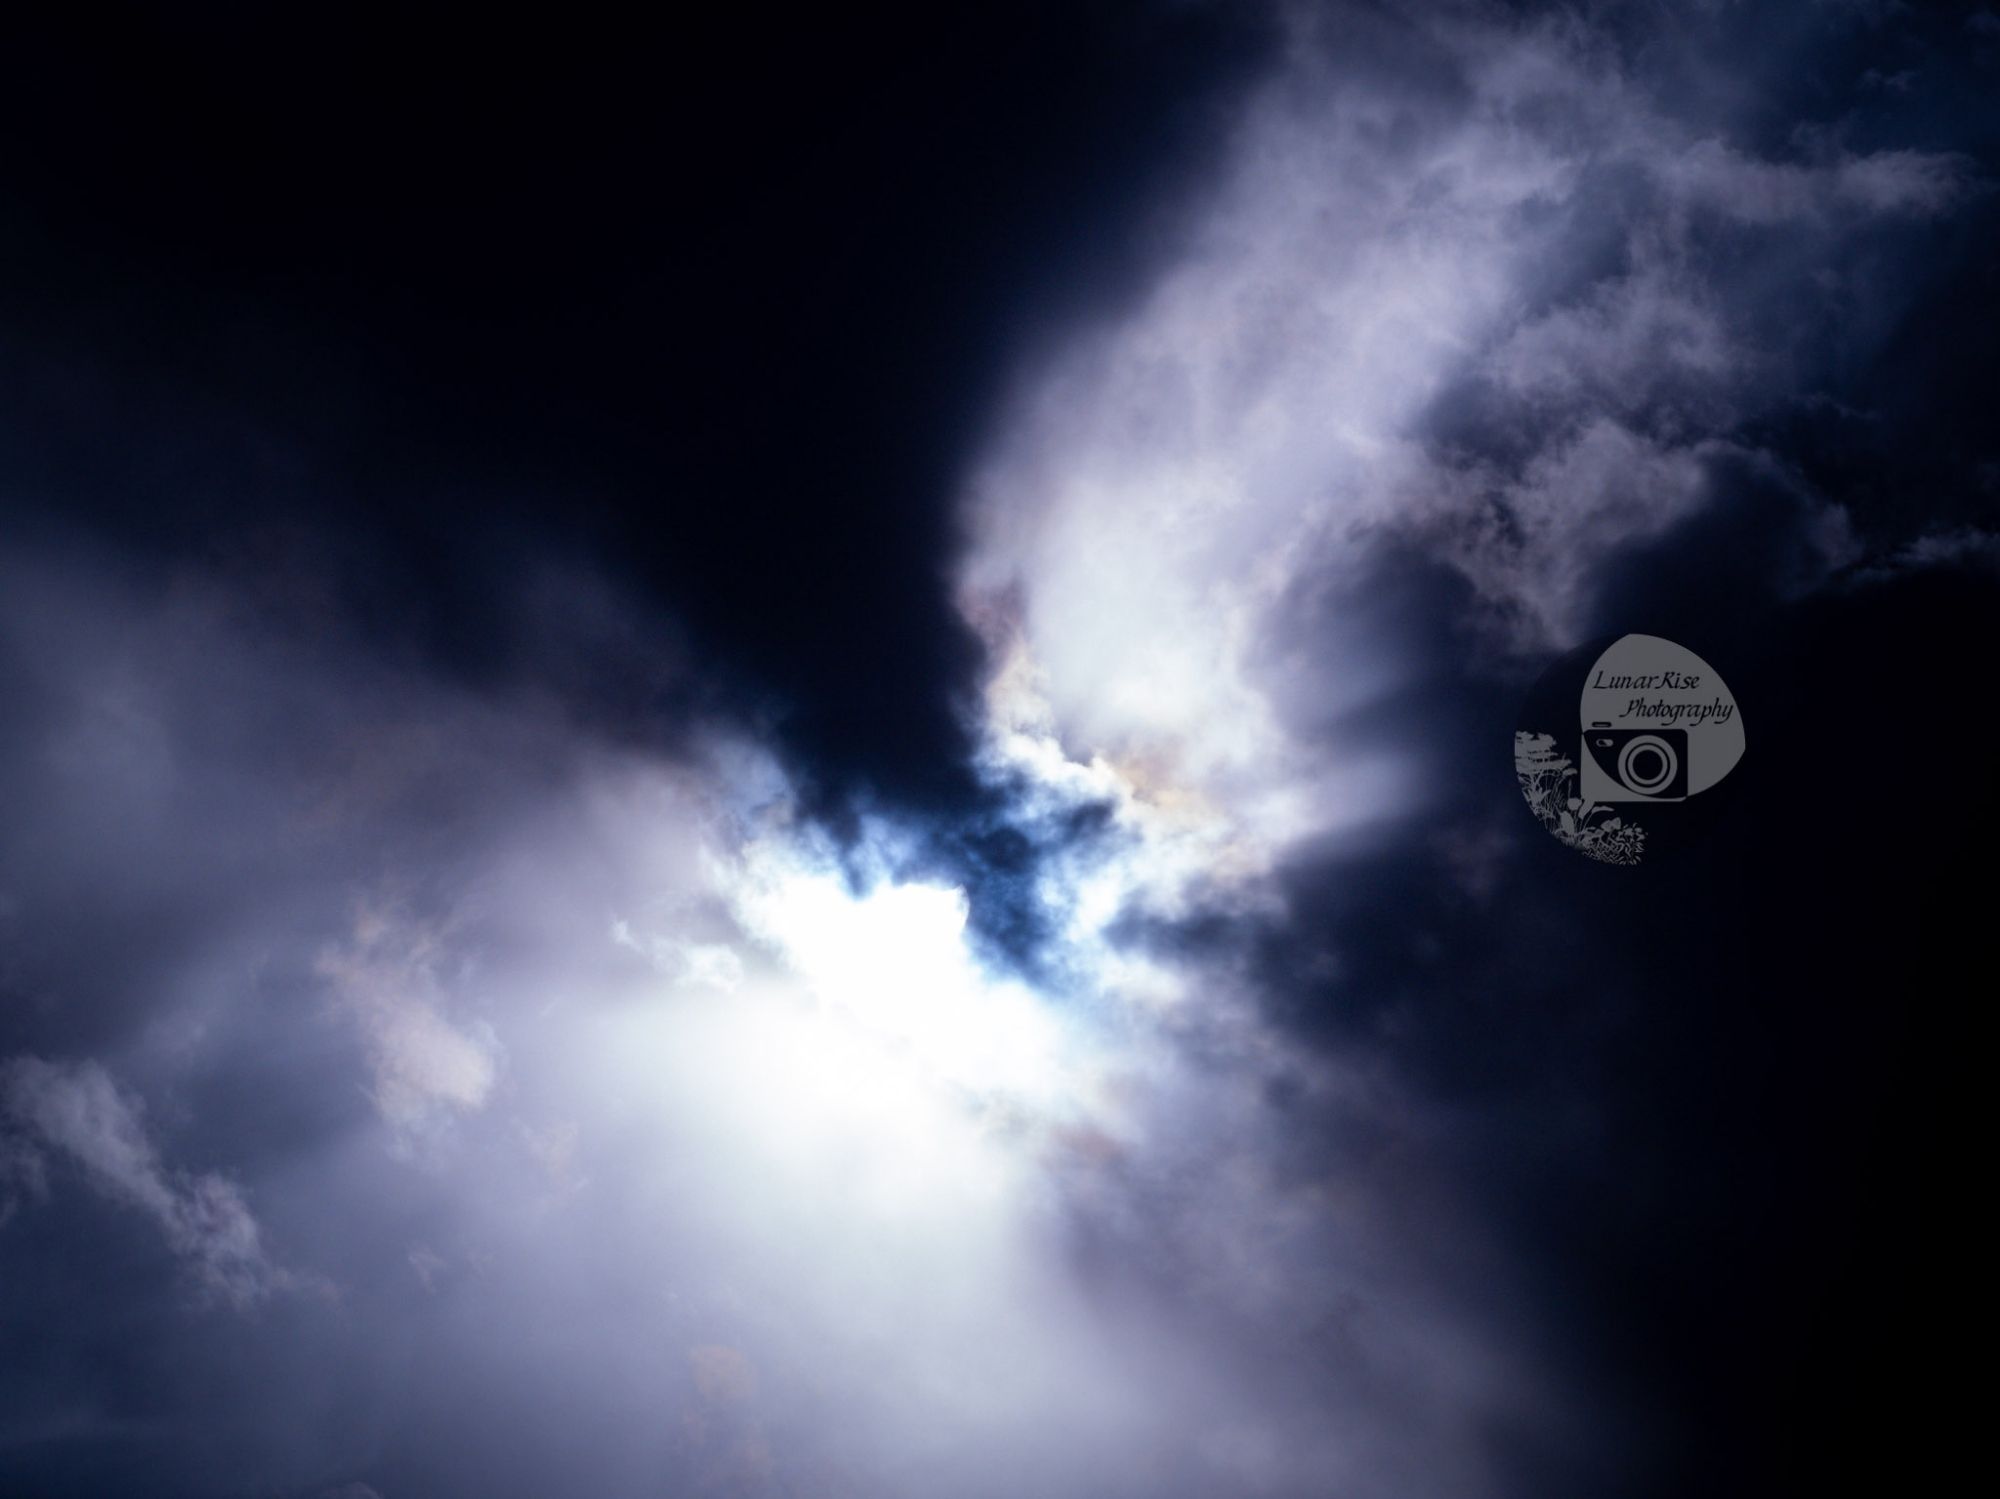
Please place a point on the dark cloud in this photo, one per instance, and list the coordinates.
(1676, 1092)
(718, 320)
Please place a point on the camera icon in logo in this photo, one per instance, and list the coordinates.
(1634, 765)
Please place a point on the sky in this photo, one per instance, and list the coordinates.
(770, 760)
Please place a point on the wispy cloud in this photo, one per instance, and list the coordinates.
(77, 1110)
(427, 1068)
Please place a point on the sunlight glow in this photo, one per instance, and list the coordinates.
(893, 966)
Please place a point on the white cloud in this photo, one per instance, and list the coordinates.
(426, 1067)
(1165, 486)
(702, 965)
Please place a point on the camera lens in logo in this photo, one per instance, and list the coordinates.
(1647, 764)
(1634, 765)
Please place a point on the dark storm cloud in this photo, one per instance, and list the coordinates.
(1671, 1088)
(719, 317)
(1720, 390)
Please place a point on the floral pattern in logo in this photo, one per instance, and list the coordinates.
(1548, 781)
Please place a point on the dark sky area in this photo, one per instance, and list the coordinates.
(767, 757)
(720, 314)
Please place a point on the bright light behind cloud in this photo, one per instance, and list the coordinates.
(582, 1072)
(893, 966)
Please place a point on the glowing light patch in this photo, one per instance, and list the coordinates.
(893, 965)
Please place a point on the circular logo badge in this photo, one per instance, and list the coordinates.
(1618, 742)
